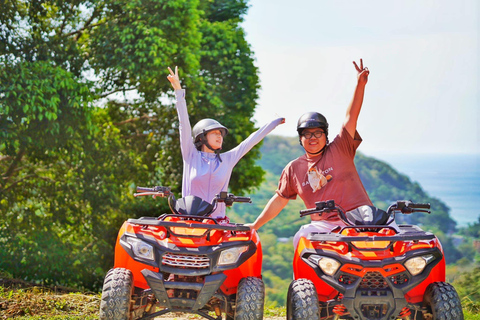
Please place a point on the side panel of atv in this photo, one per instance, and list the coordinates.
(123, 260)
(437, 274)
(250, 268)
(303, 271)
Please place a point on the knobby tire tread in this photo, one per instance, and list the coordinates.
(116, 295)
(250, 299)
(444, 301)
(302, 301)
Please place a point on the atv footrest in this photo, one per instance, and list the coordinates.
(206, 290)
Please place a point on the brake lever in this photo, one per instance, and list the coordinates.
(422, 210)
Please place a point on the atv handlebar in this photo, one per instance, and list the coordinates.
(156, 191)
(404, 206)
(159, 191)
(321, 207)
(408, 207)
(229, 198)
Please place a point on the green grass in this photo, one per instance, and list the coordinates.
(470, 316)
(47, 317)
(43, 303)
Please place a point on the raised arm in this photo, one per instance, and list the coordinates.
(185, 129)
(271, 210)
(355, 106)
(246, 145)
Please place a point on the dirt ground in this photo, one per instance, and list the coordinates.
(179, 316)
(191, 317)
(19, 298)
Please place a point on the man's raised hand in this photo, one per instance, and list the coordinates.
(362, 72)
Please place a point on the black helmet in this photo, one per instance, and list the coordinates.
(203, 126)
(312, 120)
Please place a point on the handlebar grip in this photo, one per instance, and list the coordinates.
(243, 199)
(140, 189)
(304, 211)
(420, 205)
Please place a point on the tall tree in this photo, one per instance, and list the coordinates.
(86, 113)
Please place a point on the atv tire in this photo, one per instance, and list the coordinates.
(302, 301)
(250, 299)
(116, 295)
(442, 302)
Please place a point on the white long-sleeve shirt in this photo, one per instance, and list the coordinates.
(204, 175)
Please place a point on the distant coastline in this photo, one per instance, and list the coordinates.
(452, 178)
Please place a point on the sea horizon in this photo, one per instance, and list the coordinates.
(452, 178)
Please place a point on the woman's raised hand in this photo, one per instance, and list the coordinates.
(362, 72)
(173, 78)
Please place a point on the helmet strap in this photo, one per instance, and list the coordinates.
(203, 140)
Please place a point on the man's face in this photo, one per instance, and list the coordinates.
(313, 140)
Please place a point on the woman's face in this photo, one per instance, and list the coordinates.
(214, 139)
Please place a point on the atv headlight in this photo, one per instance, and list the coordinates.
(328, 265)
(230, 256)
(417, 264)
(141, 249)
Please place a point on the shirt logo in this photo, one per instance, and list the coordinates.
(317, 180)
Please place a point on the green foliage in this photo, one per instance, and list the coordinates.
(134, 41)
(472, 230)
(227, 70)
(42, 108)
(468, 288)
(86, 115)
(468, 285)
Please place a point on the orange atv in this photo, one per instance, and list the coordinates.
(371, 269)
(185, 262)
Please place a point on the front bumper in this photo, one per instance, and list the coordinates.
(205, 291)
(364, 284)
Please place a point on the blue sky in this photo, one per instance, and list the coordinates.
(423, 55)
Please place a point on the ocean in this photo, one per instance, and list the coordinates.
(452, 178)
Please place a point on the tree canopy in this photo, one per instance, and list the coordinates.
(86, 114)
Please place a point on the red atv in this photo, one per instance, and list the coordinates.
(185, 262)
(371, 269)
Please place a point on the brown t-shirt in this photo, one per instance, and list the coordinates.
(328, 176)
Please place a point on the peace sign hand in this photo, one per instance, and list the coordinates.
(362, 73)
(173, 78)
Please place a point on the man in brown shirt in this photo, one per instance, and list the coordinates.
(326, 171)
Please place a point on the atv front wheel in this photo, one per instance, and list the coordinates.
(442, 302)
(302, 301)
(116, 295)
(250, 299)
